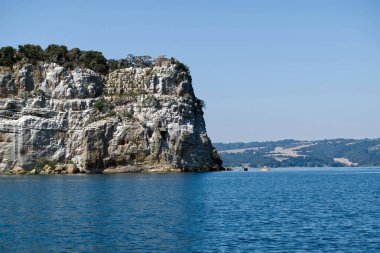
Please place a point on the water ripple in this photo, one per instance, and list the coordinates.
(279, 211)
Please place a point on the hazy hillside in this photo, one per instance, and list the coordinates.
(293, 153)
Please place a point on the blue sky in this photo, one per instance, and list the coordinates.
(267, 70)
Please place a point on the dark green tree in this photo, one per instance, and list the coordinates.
(31, 53)
(73, 58)
(112, 64)
(94, 60)
(57, 54)
(8, 56)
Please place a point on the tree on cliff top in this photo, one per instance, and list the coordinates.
(57, 54)
(94, 60)
(8, 56)
(73, 58)
(31, 53)
(76, 58)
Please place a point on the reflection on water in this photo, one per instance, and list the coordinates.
(285, 210)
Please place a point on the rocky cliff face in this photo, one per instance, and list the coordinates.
(133, 119)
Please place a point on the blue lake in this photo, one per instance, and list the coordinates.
(283, 210)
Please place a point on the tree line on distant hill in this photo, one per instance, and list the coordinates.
(364, 152)
(75, 57)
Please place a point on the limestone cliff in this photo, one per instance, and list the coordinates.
(129, 120)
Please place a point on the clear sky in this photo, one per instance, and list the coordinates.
(267, 70)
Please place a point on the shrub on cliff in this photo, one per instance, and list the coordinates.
(76, 58)
(31, 53)
(151, 101)
(118, 64)
(113, 64)
(200, 103)
(57, 54)
(216, 158)
(73, 58)
(94, 60)
(54, 53)
(8, 56)
(181, 67)
(103, 105)
(130, 61)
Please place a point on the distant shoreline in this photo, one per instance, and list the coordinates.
(295, 153)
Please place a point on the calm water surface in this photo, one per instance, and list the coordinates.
(288, 210)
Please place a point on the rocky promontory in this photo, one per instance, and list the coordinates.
(74, 111)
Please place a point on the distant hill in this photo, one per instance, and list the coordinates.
(294, 153)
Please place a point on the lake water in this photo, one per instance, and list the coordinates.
(284, 210)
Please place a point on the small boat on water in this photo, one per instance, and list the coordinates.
(265, 169)
(245, 167)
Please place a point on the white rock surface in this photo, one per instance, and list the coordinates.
(133, 119)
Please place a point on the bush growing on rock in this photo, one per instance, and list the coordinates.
(216, 157)
(180, 77)
(128, 114)
(57, 54)
(113, 64)
(31, 53)
(8, 56)
(94, 60)
(181, 67)
(25, 95)
(151, 101)
(103, 105)
(74, 57)
(200, 103)
(130, 61)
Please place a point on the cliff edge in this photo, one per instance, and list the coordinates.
(129, 119)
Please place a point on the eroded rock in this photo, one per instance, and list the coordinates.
(18, 170)
(71, 169)
(132, 120)
(47, 169)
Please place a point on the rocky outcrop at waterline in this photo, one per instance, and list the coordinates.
(131, 119)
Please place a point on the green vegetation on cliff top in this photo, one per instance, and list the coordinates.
(75, 57)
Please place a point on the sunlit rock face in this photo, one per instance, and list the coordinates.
(133, 119)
